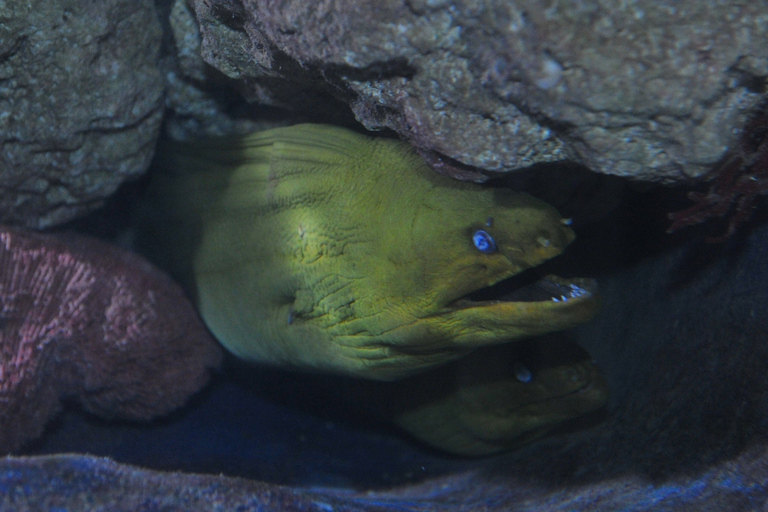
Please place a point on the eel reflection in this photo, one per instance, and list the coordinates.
(495, 399)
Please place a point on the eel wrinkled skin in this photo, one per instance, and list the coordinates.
(313, 247)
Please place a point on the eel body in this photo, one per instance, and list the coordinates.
(313, 247)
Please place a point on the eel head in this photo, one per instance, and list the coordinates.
(317, 248)
(459, 273)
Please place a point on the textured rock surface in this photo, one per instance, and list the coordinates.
(72, 482)
(82, 319)
(652, 90)
(198, 106)
(204, 102)
(80, 104)
(89, 483)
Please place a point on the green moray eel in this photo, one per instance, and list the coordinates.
(495, 399)
(314, 247)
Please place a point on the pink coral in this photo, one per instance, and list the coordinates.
(83, 319)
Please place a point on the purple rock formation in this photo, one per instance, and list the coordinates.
(83, 319)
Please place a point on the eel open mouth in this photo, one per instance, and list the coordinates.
(530, 286)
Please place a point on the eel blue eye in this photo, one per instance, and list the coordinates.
(484, 242)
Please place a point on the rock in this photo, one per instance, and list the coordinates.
(650, 90)
(78, 482)
(74, 482)
(85, 320)
(80, 104)
(204, 102)
(197, 93)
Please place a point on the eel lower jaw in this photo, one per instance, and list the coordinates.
(552, 290)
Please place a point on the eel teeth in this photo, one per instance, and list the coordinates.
(561, 292)
(546, 289)
(574, 292)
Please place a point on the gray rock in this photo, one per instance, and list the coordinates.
(205, 102)
(81, 99)
(195, 112)
(651, 90)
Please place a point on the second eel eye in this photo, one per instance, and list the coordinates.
(484, 242)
